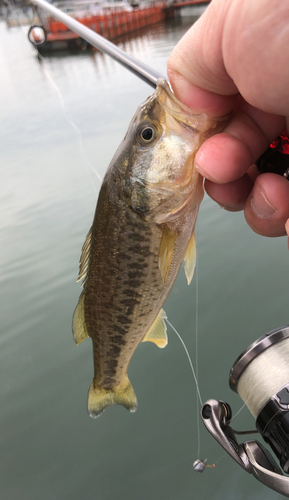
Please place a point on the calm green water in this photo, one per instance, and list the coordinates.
(49, 447)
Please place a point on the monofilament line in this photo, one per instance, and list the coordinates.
(91, 168)
(189, 358)
(239, 411)
(197, 342)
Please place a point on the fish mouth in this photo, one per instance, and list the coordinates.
(196, 123)
(179, 111)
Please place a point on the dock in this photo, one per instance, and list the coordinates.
(111, 21)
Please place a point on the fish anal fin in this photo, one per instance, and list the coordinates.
(85, 258)
(158, 331)
(166, 250)
(99, 399)
(190, 258)
(78, 323)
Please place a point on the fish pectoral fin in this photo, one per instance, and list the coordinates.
(99, 399)
(84, 258)
(78, 323)
(166, 250)
(190, 258)
(158, 331)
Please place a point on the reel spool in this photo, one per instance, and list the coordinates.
(260, 376)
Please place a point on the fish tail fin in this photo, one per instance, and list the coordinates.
(99, 399)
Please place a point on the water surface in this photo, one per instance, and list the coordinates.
(49, 447)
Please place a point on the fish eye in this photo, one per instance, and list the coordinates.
(147, 134)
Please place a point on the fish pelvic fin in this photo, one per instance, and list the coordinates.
(78, 323)
(158, 331)
(99, 399)
(166, 250)
(190, 258)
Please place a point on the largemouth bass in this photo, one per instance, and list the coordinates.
(142, 231)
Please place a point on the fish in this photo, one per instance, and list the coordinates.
(142, 231)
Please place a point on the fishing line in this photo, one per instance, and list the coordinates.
(91, 168)
(199, 464)
(239, 411)
(195, 371)
(189, 358)
(197, 341)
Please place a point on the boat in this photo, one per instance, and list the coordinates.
(109, 19)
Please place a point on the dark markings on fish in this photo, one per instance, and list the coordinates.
(135, 274)
(137, 265)
(140, 237)
(118, 339)
(133, 283)
(137, 248)
(108, 381)
(123, 256)
(124, 320)
(129, 293)
(130, 310)
(119, 329)
(113, 354)
(128, 302)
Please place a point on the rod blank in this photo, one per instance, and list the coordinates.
(140, 69)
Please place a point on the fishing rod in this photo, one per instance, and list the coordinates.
(274, 160)
(140, 69)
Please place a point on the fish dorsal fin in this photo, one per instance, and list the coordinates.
(158, 331)
(84, 258)
(166, 251)
(78, 322)
(190, 258)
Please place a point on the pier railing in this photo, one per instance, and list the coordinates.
(111, 22)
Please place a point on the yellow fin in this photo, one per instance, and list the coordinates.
(84, 258)
(78, 322)
(166, 251)
(158, 331)
(190, 258)
(99, 398)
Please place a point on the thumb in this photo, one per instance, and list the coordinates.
(196, 68)
(267, 207)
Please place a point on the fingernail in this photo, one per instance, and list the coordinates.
(261, 205)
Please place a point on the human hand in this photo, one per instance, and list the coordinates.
(233, 59)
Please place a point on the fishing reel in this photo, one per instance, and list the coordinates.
(260, 375)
